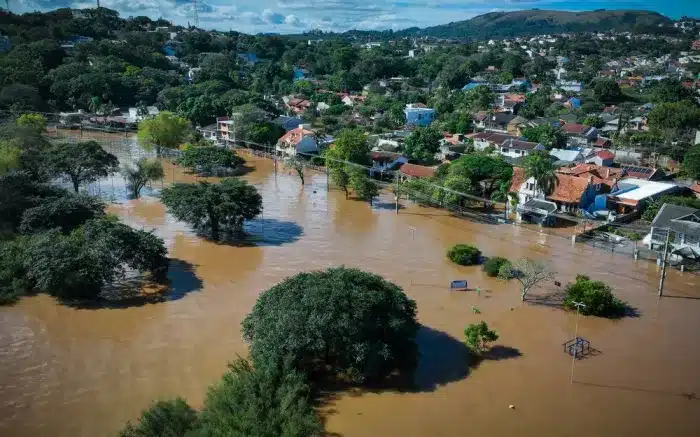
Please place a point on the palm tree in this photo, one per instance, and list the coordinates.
(539, 166)
(94, 104)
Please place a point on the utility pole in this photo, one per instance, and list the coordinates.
(396, 195)
(578, 306)
(663, 263)
(196, 14)
(98, 4)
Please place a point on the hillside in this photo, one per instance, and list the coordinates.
(537, 22)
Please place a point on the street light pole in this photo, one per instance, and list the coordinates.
(413, 240)
(663, 263)
(578, 306)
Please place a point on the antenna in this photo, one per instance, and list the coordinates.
(98, 4)
(196, 15)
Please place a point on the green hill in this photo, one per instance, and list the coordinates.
(537, 22)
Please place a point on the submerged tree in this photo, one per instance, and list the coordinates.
(298, 165)
(165, 130)
(342, 321)
(137, 176)
(82, 162)
(478, 336)
(209, 159)
(529, 273)
(214, 208)
(172, 418)
(362, 185)
(66, 213)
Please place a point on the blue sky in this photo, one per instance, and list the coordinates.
(293, 16)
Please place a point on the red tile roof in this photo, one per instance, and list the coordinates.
(604, 154)
(294, 136)
(574, 128)
(602, 142)
(418, 171)
(568, 189)
(600, 174)
(384, 156)
(695, 188)
(518, 179)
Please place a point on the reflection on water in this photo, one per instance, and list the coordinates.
(68, 372)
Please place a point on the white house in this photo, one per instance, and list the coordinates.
(569, 85)
(299, 140)
(567, 155)
(514, 148)
(135, 117)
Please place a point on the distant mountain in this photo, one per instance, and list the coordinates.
(538, 22)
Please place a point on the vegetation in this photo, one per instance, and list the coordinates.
(597, 297)
(547, 135)
(214, 209)
(35, 122)
(362, 185)
(137, 176)
(478, 336)
(298, 165)
(66, 213)
(529, 273)
(422, 145)
(271, 399)
(173, 418)
(654, 206)
(342, 322)
(210, 160)
(493, 266)
(164, 131)
(691, 162)
(464, 255)
(81, 163)
(539, 166)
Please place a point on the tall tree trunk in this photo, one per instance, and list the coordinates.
(76, 184)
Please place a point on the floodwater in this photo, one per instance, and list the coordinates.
(67, 372)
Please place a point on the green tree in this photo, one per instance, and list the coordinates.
(691, 162)
(362, 185)
(484, 172)
(172, 418)
(478, 336)
(165, 130)
(479, 98)
(350, 145)
(63, 212)
(9, 157)
(270, 400)
(13, 279)
(464, 254)
(209, 159)
(539, 166)
(80, 264)
(594, 120)
(654, 206)
(669, 90)
(35, 122)
(545, 134)
(597, 297)
(493, 265)
(214, 208)
(423, 144)
(674, 118)
(607, 90)
(82, 162)
(137, 176)
(339, 321)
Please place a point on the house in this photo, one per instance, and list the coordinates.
(569, 85)
(248, 58)
(515, 125)
(573, 103)
(514, 148)
(416, 171)
(601, 158)
(630, 194)
(350, 100)
(386, 161)
(598, 175)
(695, 46)
(287, 123)
(298, 106)
(695, 189)
(566, 157)
(603, 143)
(644, 173)
(391, 141)
(209, 132)
(371, 45)
(499, 121)
(484, 140)
(697, 137)
(226, 131)
(5, 44)
(579, 134)
(417, 114)
(192, 73)
(299, 140)
(683, 223)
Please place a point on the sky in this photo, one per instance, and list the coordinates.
(295, 16)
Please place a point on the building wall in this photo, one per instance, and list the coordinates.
(421, 117)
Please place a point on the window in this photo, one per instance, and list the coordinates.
(420, 116)
(504, 150)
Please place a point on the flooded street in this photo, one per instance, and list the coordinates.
(68, 372)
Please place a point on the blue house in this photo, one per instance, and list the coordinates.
(249, 58)
(417, 114)
(574, 103)
(299, 73)
(169, 51)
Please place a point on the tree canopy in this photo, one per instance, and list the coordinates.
(165, 130)
(214, 208)
(82, 162)
(342, 321)
(209, 159)
(423, 144)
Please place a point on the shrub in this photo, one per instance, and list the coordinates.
(172, 418)
(505, 271)
(493, 266)
(341, 321)
(464, 254)
(318, 161)
(13, 281)
(596, 296)
(478, 336)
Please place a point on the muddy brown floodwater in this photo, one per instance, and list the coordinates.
(68, 372)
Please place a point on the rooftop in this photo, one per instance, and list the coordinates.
(517, 180)
(678, 218)
(568, 189)
(644, 190)
(418, 171)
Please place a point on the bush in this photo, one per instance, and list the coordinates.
(478, 336)
(13, 281)
(596, 296)
(340, 321)
(464, 254)
(505, 271)
(172, 418)
(318, 161)
(493, 266)
(270, 400)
